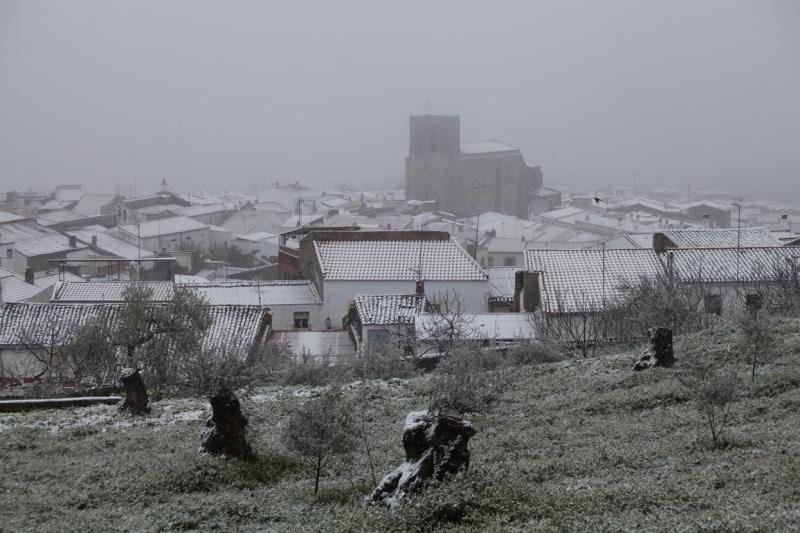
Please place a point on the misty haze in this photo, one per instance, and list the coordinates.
(399, 266)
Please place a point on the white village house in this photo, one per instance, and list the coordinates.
(344, 264)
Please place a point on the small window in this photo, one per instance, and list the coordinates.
(491, 261)
(510, 261)
(712, 303)
(10, 253)
(753, 302)
(301, 320)
(188, 238)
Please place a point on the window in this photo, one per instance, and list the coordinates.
(491, 261)
(510, 261)
(753, 302)
(712, 303)
(10, 253)
(301, 320)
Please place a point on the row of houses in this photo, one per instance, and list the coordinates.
(356, 290)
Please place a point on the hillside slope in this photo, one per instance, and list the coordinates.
(583, 444)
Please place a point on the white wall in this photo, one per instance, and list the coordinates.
(283, 316)
(338, 295)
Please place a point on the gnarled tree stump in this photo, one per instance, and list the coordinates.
(225, 430)
(436, 446)
(136, 401)
(658, 352)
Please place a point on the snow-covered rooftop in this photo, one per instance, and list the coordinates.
(14, 288)
(313, 343)
(164, 226)
(262, 293)
(107, 291)
(486, 147)
(234, 329)
(110, 244)
(728, 265)
(9, 217)
(581, 280)
(45, 245)
(389, 308)
(396, 260)
(721, 238)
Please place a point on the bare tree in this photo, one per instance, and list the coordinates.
(45, 343)
(715, 392)
(574, 321)
(777, 285)
(448, 322)
(756, 336)
(322, 429)
(660, 301)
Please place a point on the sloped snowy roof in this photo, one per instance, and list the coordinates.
(14, 287)
(52, 218)
(164, 226)
(580, 280)
(45, 244)
(722, 238)
(92, 204)
(18, 231)
(9, 217)
(110, 244)
(487, 147)
(260, 293)
(396, 260)
(389, 308)
(198, 210)
(107, 291)
(728, 265)
(233, 329)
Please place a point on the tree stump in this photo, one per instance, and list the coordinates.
(225, 430)
(435, 445)
(136, 401)
(658, 352)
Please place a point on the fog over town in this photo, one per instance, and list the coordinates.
(399, 266)
(700, 94)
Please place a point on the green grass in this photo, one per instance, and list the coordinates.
(586, 444)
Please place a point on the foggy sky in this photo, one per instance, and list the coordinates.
(228, 95)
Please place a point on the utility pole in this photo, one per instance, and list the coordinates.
(738, 237)
(477, 225)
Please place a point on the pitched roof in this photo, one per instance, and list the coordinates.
(259, 293)
(106, 291)
(9, 217)
(164, 226)
(234, 328)
(728, 265)
(45, 244)
(110, 244)
(721, 238)
(14, 288)
(389, 308)
(396, 260)
(487, 147)
(580, 280)
(92, 204)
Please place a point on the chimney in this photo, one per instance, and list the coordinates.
(786, 224)
(420, 288)
(73, 241)
(706, 221)
(94, 241)
(29, 276)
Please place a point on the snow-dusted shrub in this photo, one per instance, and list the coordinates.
(715, 390)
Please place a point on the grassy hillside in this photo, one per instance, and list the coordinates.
(583, 444)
